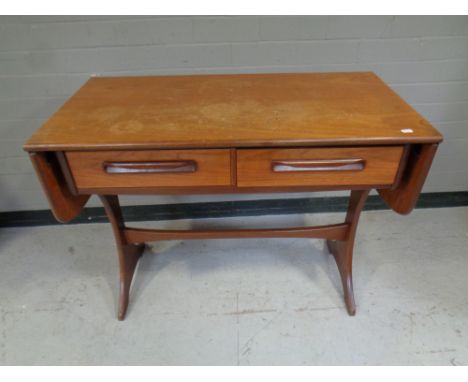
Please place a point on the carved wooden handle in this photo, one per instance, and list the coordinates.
(318, 165)
(169, 166)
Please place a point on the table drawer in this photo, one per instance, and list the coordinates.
(92, 170)
(327, 167)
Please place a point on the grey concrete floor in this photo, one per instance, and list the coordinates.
(247, 302)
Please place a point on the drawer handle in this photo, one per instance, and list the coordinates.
(318, 165)
(170, 166)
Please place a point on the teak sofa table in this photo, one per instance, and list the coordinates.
(213, 134)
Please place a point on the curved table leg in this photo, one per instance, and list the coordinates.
(129, 254)
(342, 250)
(130, 250)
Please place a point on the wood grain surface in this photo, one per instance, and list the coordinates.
(242, 110)
(380, 166)
(403, 198)
(64, 205)
(212, 168)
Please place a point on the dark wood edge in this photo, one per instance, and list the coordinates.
(401, 166)
(207, 190)
(348, 142)
(70, 181)
(233, 167)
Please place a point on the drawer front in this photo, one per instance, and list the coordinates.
(322, 167)
(149, 168)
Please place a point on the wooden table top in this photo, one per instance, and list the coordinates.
(242, 110)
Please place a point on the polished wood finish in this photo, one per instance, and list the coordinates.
(129, 253)
(403, 198)
(211, 190)
(342, 250)
(402, 167)
(209, 168)
(234, 110)
(64, 205)
(318, 165)
(333, 232)
(256, 167)
(166, 167)
(340, 238)
(233, 134)
(65, 172)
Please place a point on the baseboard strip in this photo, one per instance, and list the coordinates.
(226, 209)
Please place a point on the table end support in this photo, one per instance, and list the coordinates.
(130, 243)
(342, 250)
(343, 258)
(128, 253)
